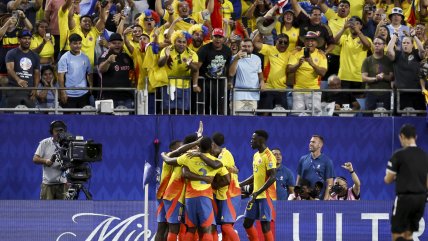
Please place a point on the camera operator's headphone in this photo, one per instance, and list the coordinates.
(57, 123)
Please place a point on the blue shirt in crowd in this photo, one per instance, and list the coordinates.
(75, 67)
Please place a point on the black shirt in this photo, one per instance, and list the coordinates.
(339, 97)
(406, 70)
(324, 31)
(215, 63)
(24, 65)
(411, 167)
(117, 75)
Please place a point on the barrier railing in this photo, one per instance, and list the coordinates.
(57, 109)
(312, 111)
(212, 100)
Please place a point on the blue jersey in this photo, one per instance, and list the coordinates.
(284, 178)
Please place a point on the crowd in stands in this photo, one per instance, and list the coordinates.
(184, 52)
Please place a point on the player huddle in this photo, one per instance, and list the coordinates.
(199, 189)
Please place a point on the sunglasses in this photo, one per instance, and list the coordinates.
(283, 42)
(148, 19)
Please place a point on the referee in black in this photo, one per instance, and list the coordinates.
(408, 166)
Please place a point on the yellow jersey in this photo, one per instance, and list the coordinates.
(88, 42)
(278, 64)
(233, 190)
(306, 77)
(263, 162)
(198, 166)
(48, 48)
(353, 55)
(178, 67)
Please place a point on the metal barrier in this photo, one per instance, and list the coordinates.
(207, 101)
(312, 110)
(57, 108)
(212, 100)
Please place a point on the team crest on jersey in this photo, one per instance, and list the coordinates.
(90, 38)
(315, 60)
(25, 63)
(260, 161)
(270, 164)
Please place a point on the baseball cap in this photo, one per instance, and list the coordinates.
(24, 33)
(218, 31)
(115, 37)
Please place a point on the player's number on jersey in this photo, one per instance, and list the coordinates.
(204, 173)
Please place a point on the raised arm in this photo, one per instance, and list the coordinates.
(101, 23)
(390, 52)
(257, 41)
(296, 8)
(169, 160)
(357, 184)
(158, 8)
(71, 22)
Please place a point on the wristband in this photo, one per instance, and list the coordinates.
(195, 85)
(352, 172)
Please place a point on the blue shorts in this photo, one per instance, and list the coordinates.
(199, 212)
(181, 99)
(262, 209)
(226, 210)
(161, 213)
(174, 211)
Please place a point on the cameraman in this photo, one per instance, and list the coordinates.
(53, 184)
(304, 191)
(340, 190)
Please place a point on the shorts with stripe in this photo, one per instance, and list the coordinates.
(174, 211)
(199, 212)
(161, 213)
(262, 209)
(226, 209)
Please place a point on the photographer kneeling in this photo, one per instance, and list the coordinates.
(54, 183)
(304, 191)
(340, 190)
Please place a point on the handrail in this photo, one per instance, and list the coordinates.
(57, 109)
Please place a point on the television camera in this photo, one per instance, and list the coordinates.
(74, 155)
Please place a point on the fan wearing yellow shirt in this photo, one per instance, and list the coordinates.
(179, 61)
(182, 9)
(261, 206)
(309, 64)
(64, 31)
(87, 31)
(286, 26)
(277, 58)
(199, 192)
(336, 21)
(354, 48)
(42, 43)
(149, 19)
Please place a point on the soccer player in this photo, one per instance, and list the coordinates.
(199, 193)
(408, 167)
(171, 190)
(173, 197)
(261, 205)
(227, 198)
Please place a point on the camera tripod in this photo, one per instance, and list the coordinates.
(74, 192)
